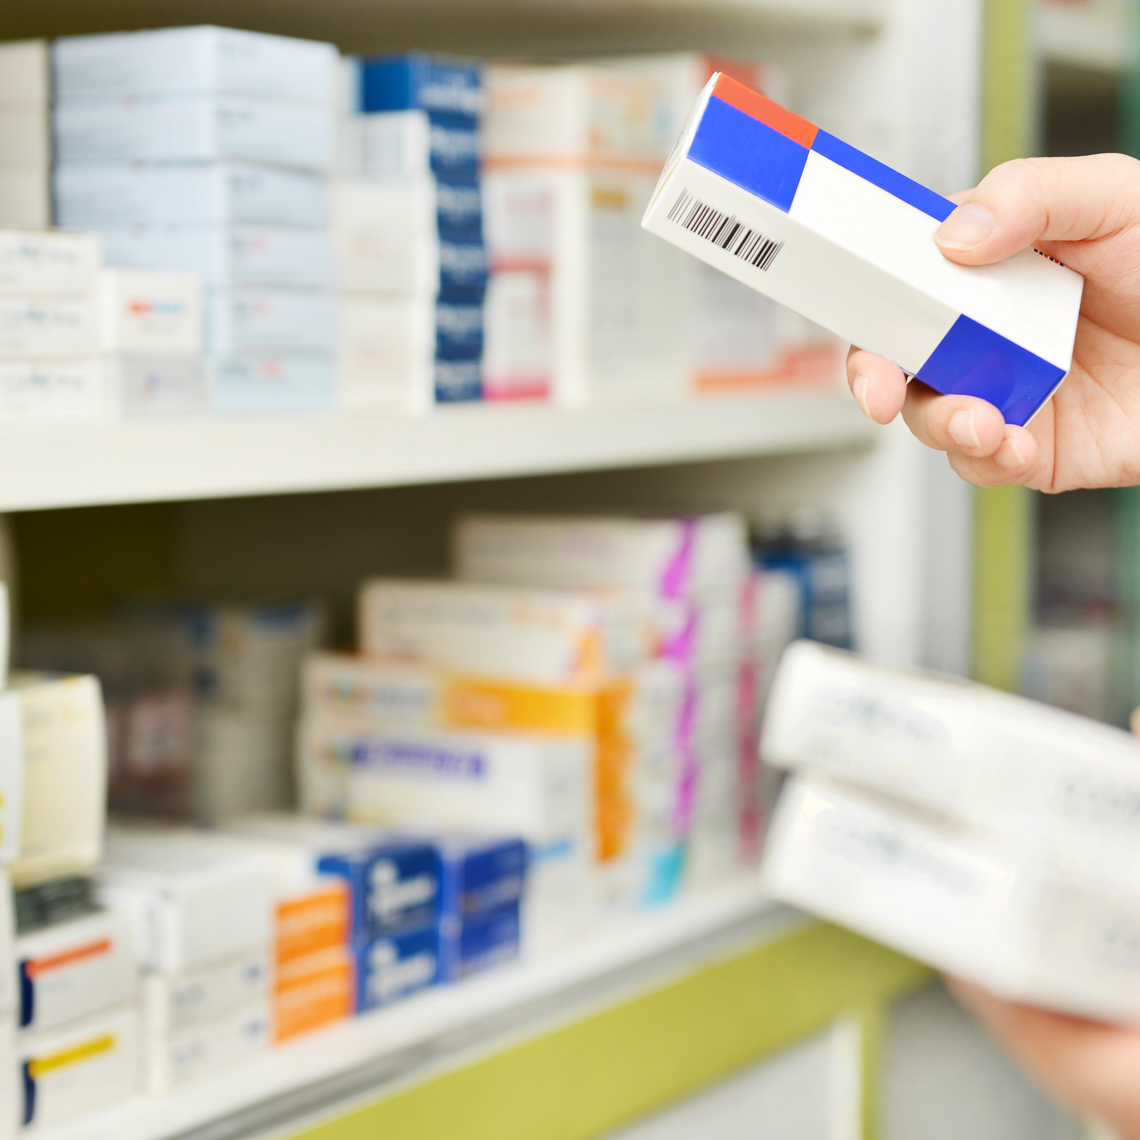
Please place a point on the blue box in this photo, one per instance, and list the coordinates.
(458, 381)
(449, 88)
(480, 943)
(481, 875)
(393, 968)
(462, 265)
(459, 206)
(458, 329)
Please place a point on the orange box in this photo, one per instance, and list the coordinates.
(314, 991)
(310, 923)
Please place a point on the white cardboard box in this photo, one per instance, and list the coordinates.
(9, 995)
(75, 970)
(142, 386)
(146, 311)
(70, 389)
(393, 144)
(270, 320)
(25, 136)
(386, 351)
(173, 1001)
(25, 196)
(78, 1070)
(33, 326)
(49, 263)
(11, 797)
(196, 59)
(25, 73)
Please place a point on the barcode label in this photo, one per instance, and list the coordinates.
(724, 230)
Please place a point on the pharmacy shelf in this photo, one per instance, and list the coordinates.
(157, 460)
(313, 1076)
(1089, 35)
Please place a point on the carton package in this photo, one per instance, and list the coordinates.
(62, 739)
(172, 1002)
(202, 1047)
(143, 385)
(518, 361)
(314, 991)
(25, 137)
(241, 761)
(34, 326)
(10, 1097)
(25, 197)
(551, 637)
(190, 126)
(25, 134)
(150, 312)
(815, 210)
(448, 88)
(124, 193)
(77, 1070)
(273, 381)
(269, 320)
(481, 943)
(74, 970)
(201, 59)
(49, 263)
(394, 144)
(9, 992)
(26, 73)
(385, 352)
(392, 968)
(226, 256)
(191, 904)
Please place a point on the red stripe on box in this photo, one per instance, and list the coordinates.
(759, 107)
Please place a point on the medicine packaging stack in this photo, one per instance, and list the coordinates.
(201, 918)
(25, 135)
(690, 582)
(986, 834)
(408, 229)
(73, 973)
(208, 150)
(50, 326)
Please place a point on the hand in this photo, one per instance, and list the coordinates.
(1093, 1069)
(1084, 212)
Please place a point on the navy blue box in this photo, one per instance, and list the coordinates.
(480, 943)
(481, 875)
(449, 88)
(458, 329)
(392, 968)
(459, 206)
(458, 381)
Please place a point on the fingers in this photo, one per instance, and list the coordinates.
(1021, 203)
(879, 387)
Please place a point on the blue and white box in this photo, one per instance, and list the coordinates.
(481, 875)
(481, 942)
(449, 88)
(394, 967)
(845, 241)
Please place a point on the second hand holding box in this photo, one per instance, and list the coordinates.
(845, 241)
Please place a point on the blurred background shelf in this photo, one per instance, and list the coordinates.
(1088, 34)
(152, 461)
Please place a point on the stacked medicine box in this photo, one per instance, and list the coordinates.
(207, 150)
(25, 135)
(408, 225)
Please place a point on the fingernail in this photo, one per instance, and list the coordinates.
(859, 388)
(1008, 455)
(967, 227)
(962, 429)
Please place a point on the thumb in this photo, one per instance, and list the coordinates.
(1031, 200)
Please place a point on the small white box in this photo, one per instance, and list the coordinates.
(667, 558)
(25, 196)
(518, 358)
(8, 991)
(94, 195)
(61, 389)
(76, 1071)
(203, 1047)
(192, 904)
(49, 263)
(190, 126)
(25, 73)
(273, 320)
(272, 381)
(227, 256)
(48, 326)
(143, 386)
(386, 352)
(74, 970)
(542, 636)
(173, 1001)
(202, 58)
(25, 137)
(385, 237)
(150, 312)
(63, 743)
(388, 144)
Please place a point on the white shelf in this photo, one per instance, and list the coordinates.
(1090, 35)
(147, 461)
(629, 957)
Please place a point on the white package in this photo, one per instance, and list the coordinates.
(268, 319)
(25, 196)
(141, 386)
(392, 144)
(25, 136)
(95, 195)
(76, 1071)
(200, 58)
(191, 904)
(25, 75)
(543, 636)
(246, 254)
(272, 381)
(666, 558)
(203, 1047)
(8, 992)
(242, 763)
(11, 798)
(75, 969)
(191, 126)
(149, 311)
(49, 263)
(10, 1097)
(173, 1001)
(67, 389)
(518, 357)
(48, 326)
(385, 351)
(385, 236)
(63, 742)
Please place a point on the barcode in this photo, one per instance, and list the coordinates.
(724, 230)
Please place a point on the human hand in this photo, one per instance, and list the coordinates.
(1084, 212)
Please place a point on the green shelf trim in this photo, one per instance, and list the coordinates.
(597, 1074)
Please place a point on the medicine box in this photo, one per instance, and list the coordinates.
(75, 1071)
(449, 88)
(203, 59)
(11, 791)
(192, 904)
(142, 385)
(150, 312)
(49, 263)
(59, 389)
(63, 743)
(25, 75)
(25, 197)
(817, 225)
(173, 1001)
(10, 1096)
(203, 1047)
(385, 352)
(392, 968)
(187, 126)
(313, 991)
(394, 144)
(94, 195)
(267, 319)
(480, 942)
(273, 381)
(458, 381)
(73, 970)
(35, 326)
(25, 136)
(9, 992)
